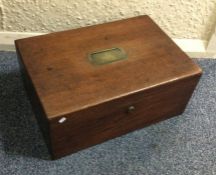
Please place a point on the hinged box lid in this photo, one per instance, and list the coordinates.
(76, 69)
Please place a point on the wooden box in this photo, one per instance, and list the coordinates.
(96, 83)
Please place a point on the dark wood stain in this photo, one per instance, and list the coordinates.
(157, 79)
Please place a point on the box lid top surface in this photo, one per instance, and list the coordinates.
(66, 81)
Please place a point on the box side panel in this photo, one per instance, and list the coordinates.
(109, 120)
(35, 102)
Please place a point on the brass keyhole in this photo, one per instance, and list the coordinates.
(131, 109)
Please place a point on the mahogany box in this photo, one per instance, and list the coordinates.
(96, 83)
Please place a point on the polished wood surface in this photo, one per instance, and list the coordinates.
(157, 79)
(65, 80)
(109, 120)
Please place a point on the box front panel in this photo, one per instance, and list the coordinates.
(109, 120)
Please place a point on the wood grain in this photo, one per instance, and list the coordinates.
(157, 78)
(95, 125)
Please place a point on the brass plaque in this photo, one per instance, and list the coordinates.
(107, 56)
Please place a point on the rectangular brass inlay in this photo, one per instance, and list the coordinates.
(107, 56)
